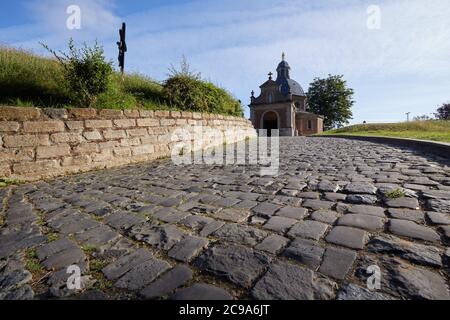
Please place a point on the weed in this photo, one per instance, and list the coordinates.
(395, 194)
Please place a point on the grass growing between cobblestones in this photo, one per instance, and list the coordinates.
(37, 271)
(395, 194)
(95, 271)
(4, 182)
(52, 236)
(88, 249)
(434, 130)
(32, 263)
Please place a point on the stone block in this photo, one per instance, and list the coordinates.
(86, 148)
(17, 141)
(110, 114)
(144, 149)
(125, 123)
(148, 122)
(76, 161)
(122, 151)
(75, 125)
(9, 126)
(146, 113)
(93, 135)
(186, 115)
(175, 114)
(98, 124)
(82, 113)
(132, 133)
(337, 262)
(131, 113)
(167, 122)
(43, 126)
(38, 167)
(56, 151)
(19, 113)
(67, 137)
(114, 134)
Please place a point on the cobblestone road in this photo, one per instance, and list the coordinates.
(157, 231)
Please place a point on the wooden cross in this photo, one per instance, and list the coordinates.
(122, 48)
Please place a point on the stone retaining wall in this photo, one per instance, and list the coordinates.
(44, 143)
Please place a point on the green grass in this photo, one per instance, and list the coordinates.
(4, 182)
(434, 130)
(88, 249)
(29, 80)
(395, 194)
(52, 236)
(32, 263)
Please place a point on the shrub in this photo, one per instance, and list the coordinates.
(86, 71)
(185, 90)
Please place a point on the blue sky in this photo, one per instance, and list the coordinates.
(402, 67)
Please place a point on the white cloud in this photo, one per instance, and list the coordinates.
(236, 43)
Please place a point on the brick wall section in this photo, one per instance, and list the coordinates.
(45, 143)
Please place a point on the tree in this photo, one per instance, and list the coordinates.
(443, 112)
(422, 118)
(332, 99)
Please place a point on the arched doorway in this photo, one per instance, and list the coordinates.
(270, 122)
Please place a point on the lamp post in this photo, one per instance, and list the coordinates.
(407, 116)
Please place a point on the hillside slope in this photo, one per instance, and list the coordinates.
(435, 130)
(27, 79)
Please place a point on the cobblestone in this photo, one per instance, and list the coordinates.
(168, 282)
(284, 281)
(238, 264)
(348, 237)
(306, 252)
(161, 231)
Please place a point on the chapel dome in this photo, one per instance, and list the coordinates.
(287, 85)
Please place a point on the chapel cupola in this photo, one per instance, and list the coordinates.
(283, 69)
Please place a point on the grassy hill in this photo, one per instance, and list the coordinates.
(435, 130)
(27, 79)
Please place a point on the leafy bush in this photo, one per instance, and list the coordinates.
(86, 71)
(185, 90)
